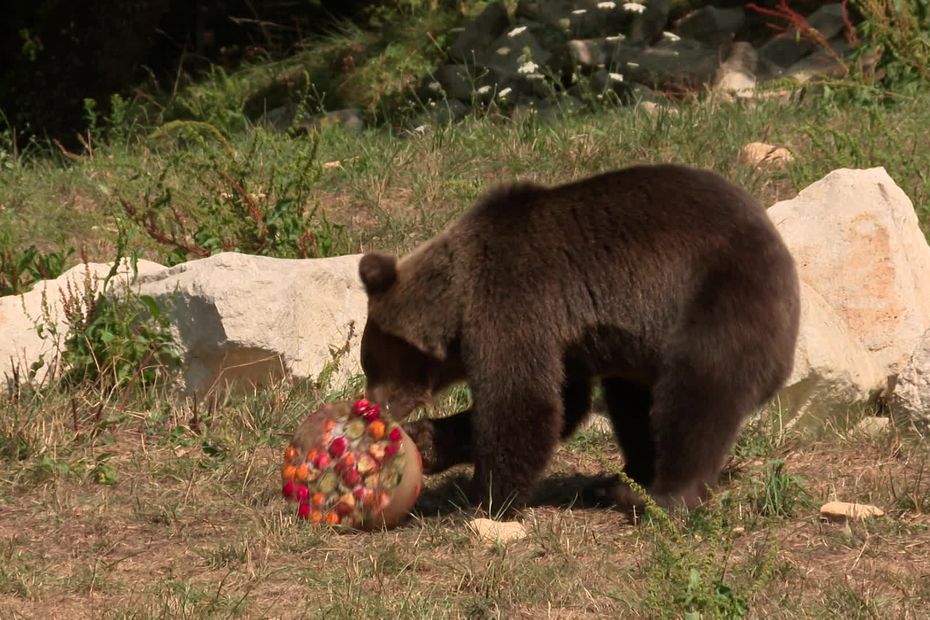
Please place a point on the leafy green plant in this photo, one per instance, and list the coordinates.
(778, 494)
(116, 340)
(271, 215)
(20, 269)
(900, 31)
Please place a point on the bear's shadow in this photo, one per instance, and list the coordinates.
(557, 491)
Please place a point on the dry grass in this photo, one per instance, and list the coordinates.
(192, 526)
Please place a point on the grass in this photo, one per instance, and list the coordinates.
(190, 524)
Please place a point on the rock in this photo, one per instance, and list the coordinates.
(516, 54)
(855, 238)
(596, 19)
(497, 531)
(649, 25)
(251, 319)
(841, 511)
(832, 370)
(456, 82)
(820, 64)
(20, 344)
(759, 153)
(737, 74)
(593, 52)
(478, 35)
(349, 119)
(711, 25)
(910, 400)
(872, 426)
(789, 47)
(676, 62)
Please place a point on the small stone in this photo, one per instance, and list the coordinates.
(758, 153)
(497, 531)
(840, 511)
(872, 426)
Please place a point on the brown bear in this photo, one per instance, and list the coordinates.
(666, 283)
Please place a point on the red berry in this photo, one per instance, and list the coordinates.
(303, 511)
(338, 446)
(302, 493)
(360, 493)
(322, 461)
(395, 434)
(390, 450)
(343, 509)
(351, 477)
(372, 413)
(340, 466)
(361, 406)
(288, 489)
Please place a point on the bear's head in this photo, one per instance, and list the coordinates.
(409, 347)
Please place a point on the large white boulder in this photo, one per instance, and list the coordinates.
(910, 400)
(245, 320)
(865, 271)
(856, 240)
(21, 316)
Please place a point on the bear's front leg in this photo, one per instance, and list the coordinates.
(515, 433)
(442, 442)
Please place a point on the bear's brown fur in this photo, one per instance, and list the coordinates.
(668, 284)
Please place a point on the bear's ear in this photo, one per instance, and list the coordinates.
(378, 272)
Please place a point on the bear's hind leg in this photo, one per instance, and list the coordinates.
(628, 405)
(576, 404)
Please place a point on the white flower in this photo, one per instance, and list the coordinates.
(579, 12)
(528, 67)
(503, 51)
(606, 5)
(504, 93)
(618, 37)
(632, 65)
(484, 90)
(634, 7)
(420, 129)
(516, 31)
(616, 77)
(671, 36)
(435, 86)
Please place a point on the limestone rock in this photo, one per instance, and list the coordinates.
(872, 426)
(819, 64)
(842, 511)
(674, 61)
(497, 531)
(20, 344)
(711, 25)
(910, 400)
(737, 74)
(789, 47)
(249, 319)
(478, 35)
(759, 153)
(856, 241)
(832, 370)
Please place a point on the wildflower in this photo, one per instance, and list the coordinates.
(634, 7)
(504, 93)
(632, 65)
(516, 31)
(503, 51)
(618, 37)
(606, 6)
(579, 12)
(671, 36)
(616, 77)
(435, 86)
(528, 67)
(484, 90)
